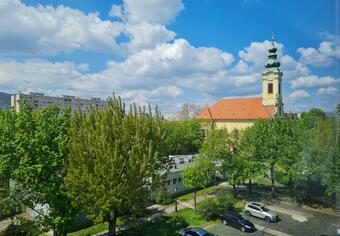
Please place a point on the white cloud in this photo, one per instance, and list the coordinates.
(324, 56)
(48, 30)
(328, 91)
(313, 81)
(151, 11)
(257, 53)
(145, 35)
(299, 94)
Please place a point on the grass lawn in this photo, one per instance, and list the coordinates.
(192, 218)
(91, 230)
(209, 190)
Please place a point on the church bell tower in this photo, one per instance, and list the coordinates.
(271, 81)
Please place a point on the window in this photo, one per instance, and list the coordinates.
(168, 182)
(174, 181)
(179, 179)
(270, 88)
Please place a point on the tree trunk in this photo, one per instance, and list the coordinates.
(249, 186)
(272, 179)
(195, 200)
(112, 223)
(234, 187)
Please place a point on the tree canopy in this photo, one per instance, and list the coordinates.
(115, 160)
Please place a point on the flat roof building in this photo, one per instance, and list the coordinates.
(39, 100)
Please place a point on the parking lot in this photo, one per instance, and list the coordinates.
(300, 222)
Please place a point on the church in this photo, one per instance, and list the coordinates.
(240, 113)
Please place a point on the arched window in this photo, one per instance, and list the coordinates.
(270, 88)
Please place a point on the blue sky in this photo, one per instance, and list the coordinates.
(169, 52)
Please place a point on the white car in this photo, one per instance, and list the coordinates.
(258, 210)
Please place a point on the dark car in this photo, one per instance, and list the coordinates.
(194, 231)
(237, 221)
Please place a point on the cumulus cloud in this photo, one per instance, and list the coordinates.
(299, 94)
(328, 91)
(145, 35)
(257, 53)
(325, 55)
(151, 11)
(313, 81)
(48, 30)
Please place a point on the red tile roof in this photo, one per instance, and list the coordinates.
(237, 109)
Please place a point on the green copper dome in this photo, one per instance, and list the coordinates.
(272, 63)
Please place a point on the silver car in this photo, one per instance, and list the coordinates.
(258, 210)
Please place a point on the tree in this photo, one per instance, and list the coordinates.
(36, 162)
(198, 174)
(183, 137)
(224, 149)
(188, 110)
(115, 160)
(318, 157)
(253, 163)
(276, 142)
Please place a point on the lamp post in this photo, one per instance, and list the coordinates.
(175, 199)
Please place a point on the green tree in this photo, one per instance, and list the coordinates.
(224, 149)
(198, 174)
(42, 146)
(253, 163)
(33, 154)
(115, 160)
(318, 158)
(276, 141)
(184, 137)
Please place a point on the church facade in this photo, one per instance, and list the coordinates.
(240, 113)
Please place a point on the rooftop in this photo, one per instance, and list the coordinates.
(237, 109)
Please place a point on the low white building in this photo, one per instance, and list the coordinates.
(39, 100)
(174, 181)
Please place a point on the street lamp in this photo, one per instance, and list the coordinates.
(175, 199)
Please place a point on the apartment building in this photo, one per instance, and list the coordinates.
(39, 100)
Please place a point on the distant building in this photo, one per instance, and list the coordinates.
(240, 113)
(5, 100)
(39, 100)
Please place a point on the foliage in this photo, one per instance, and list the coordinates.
(198, 174)
(163, 197)
(183, 137)
(115, 160)
(165, 225)
(33, 154)
(22, 228)
(224, 149)
(318, 158)
(276, 142)
(213, 207)
(9, 208)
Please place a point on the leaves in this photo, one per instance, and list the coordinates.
(115, 158)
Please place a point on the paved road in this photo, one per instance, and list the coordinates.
(315, 224)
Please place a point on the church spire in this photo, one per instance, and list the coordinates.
(272, 63)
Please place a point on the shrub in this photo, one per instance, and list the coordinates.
(9, 208)
(24, 228)
(163, 197)
(213, 207)
(207, 209)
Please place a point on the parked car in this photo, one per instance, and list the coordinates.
(236, 220)
(258, 210)
(194, 231)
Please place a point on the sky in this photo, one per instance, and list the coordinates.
(171, 52)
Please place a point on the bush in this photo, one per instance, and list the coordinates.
(24, 228)
(207, 209)
(9, 208)
(163, 197)
(213, 207)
